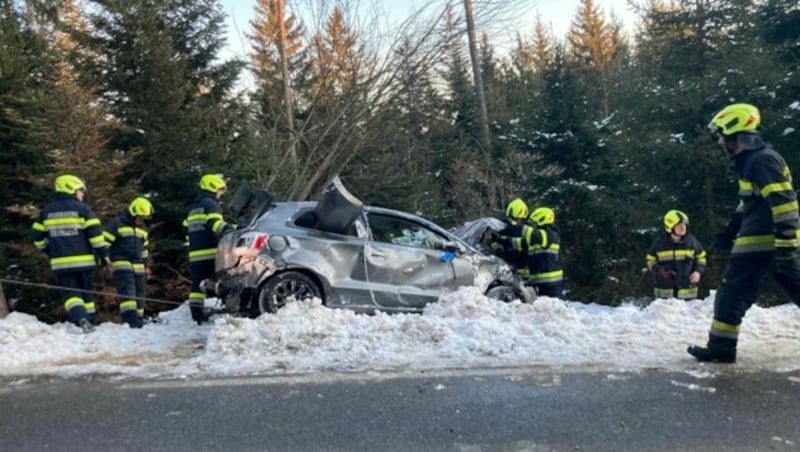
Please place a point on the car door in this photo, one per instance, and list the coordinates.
(348, 277)
(336, 257)
(403, 268)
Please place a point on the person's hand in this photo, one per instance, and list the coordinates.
(694, 278)
(148, 272)
(665, 273)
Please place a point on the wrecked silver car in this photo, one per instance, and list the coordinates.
(350, 256)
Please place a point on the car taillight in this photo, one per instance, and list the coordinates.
(260, 241)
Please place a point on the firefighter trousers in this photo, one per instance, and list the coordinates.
(131, 288)
(76, 294)
(200, 270)
(739, 286)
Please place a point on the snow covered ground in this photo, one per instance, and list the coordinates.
(462, 330)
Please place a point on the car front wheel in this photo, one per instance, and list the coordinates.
(284, 287)
(502, 293)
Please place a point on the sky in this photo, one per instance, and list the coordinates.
(462, 330)
(558, 13)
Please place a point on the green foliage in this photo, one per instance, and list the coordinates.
(158, 68)
(22, 52)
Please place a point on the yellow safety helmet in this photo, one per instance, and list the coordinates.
(736, 118)
(69, 184)
(517, 209)
(674, 218)
(212, 183)
(543, 216)
(141, 207)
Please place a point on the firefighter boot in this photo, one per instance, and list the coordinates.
(77, 315)
(132, 319)
(198, 315)
(718, 350)
(85, 325)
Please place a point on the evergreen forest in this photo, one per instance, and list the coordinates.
(606, 124)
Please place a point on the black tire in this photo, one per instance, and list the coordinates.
(503, 293)
(283, 287)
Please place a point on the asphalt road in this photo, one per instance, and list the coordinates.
(718, 408)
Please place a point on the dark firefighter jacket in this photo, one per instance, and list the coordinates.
(69, 232)
(544, 244)
(128, 243)
(204, 226)
(767, 202)
(507, 245)
(680, 260)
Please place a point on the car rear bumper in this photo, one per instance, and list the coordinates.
(237, 285)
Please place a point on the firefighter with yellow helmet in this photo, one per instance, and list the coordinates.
(204, 226)
(127, 235)
(543, 241)
(762, 234)
(507, 243)
(676, 259)
(68, 231)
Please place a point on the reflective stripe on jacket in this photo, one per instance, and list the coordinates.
(682, 259)
(544, 244)
(511, 251)
(69, 232)
(204, 226)
(128, 243)
(767, 202)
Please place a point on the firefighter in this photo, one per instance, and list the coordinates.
(130, 259)
(676, 259)
(765, 227)
(69, 232)
(508, 243)
(204, 227)
(543, 240)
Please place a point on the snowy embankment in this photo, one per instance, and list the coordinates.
(463, 330)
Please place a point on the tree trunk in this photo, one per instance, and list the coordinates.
(476, 76)
(3, 303)
(287, 83)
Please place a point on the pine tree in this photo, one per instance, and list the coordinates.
(335, 61)
(158, 70)
(279, 63)
(73, 125)
(159, 76)
(276, 39)
(593, 45)
(22, 56)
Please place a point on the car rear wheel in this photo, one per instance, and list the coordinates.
(285, 287)
(502, 293)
